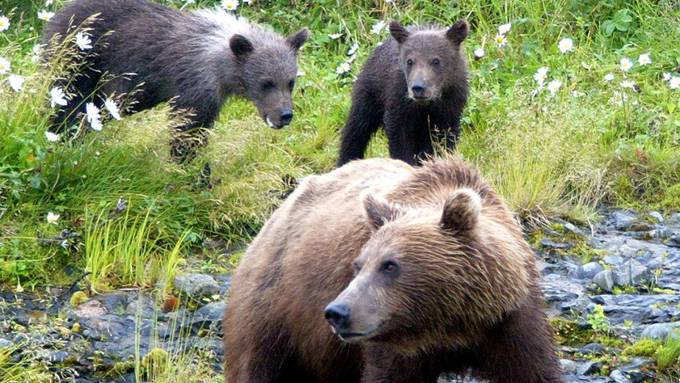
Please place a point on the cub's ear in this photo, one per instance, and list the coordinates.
(240, 46)
(398, 32)
(379, 211)
(458, 31)
(297, 39)
(461, 211)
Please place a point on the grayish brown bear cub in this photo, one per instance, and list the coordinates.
(420, 272)
(415, 85)
(196, 59)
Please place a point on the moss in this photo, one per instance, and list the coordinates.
(671, 197)
(568, 333)
(78, 298)
(155, 362)
(643, 347)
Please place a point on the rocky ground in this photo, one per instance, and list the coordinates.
(607, 286)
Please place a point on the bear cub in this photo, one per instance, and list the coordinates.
(415, 86)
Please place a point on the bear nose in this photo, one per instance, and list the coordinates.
(418, 88)
(286, 117)
(337, 314)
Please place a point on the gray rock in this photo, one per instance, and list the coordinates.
(212, 312)
(568, 366)
(622, 220)
(588, 270)
(618, 377)
(4, 343)
(196, 285)
(631, 273)
(647, 309)
(613, 260)
(604, 280)
(674, 240)
(593, 348)
(638, 369)
(589, 368)
(547, 243)
(660, 331)
(58, 356)
(658, 217)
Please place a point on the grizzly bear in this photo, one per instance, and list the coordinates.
(414, 85)
(419, 272)
(195, 60)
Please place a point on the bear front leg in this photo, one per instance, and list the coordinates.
(363, 122)
(384, 366)
(445, 129)
(404, 142)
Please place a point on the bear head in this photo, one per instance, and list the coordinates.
(431, 59)
(432, 274)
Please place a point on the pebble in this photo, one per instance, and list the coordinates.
(197, 285)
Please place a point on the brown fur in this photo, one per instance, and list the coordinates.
(465, 297)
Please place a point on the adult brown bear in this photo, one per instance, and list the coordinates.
(420, 272)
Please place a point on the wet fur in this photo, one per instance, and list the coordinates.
(488, 319)
(380, 98)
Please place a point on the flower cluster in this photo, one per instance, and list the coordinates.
(232, 5)
(346, 65)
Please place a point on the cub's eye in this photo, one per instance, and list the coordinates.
(409, 62)
(356, 268)
(389, 267)
(291, 84)
(435, 61)
(268, 85)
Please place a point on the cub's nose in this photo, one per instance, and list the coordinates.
(418, 89)
(286, 117)
(337, 315)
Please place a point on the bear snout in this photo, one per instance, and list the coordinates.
(337, 314)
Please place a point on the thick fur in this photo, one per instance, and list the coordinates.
(466, 298)
(382, 94)
(193, 59)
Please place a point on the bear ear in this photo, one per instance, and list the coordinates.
(458, 31)
(240, 45)
(398, 32)
(297, 39)
(378, 211)
(461, 211)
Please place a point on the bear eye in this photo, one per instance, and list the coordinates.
(291, 84)
(409, 62)
(435, 61)
(268, 85)
(389, 267)
(356, 267)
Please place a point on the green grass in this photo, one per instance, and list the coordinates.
(547, 155)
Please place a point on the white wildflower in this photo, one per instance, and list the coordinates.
(541, 75)
(501, 41)
(299, 73)
(378, 27)
(619, 98)
(45, 15)
(16, 82)
(230, 5)
(5, 65)
(554, 86)
(49, 2)
(353, 49)
(37, 51)
(57, 97)
(93, 116)
(51, 137)
(335, 36)
(628, 84)
(4, 23)
(566, 45)
(505, 28)
(112, 108)
(248, 2)
(674, 82)
(343, 68)
(645, 59)
(666, 76)
(479, 53)
(575, 93)
(52, 218)
(626, 64)
(83, 41)
(609, 77)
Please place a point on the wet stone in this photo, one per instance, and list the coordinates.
(196, 285)
(588, 270)
(604, 280)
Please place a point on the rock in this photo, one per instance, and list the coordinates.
(652, 308)
(547, 243)
(197, 285)
(674, 240)
(618, 377)
(568, 366)
(604, 280)
(622, 220)
(90, 309)
(225, 282)
(589, 368)
(656, 216)
(631, 273)
(638, 370)
(58, 357)
(593, 348)
(588, 270)
(660, 331)
(4, 343)
(212, 312)
(614, 260)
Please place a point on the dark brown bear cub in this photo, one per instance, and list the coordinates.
(415, 85)
(420, 272)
